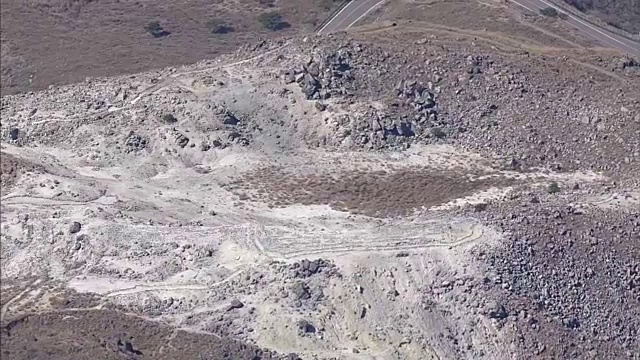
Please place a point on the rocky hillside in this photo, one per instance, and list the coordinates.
(396, 192)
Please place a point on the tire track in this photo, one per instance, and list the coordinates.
(21, 295)
(173, 77)
(163, 287)
(475, 234)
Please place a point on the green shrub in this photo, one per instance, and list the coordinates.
(438, 133)
(553, 188)
(267, 3)
(217, 26)
(154, 28)
(549, 11)
(329, 4)
(273, 21)
(169, 119)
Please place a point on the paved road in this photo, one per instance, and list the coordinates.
(349, 15)
(357, 9)
(603, 36)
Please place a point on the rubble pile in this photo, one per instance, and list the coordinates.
(323, 77)
(306, 268)
(570, 275)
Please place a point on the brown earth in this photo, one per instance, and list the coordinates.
(47, 42)
(483, 19)
(74, 335)
(378, 194)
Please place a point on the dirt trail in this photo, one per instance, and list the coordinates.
(166, 287)
(355, 188)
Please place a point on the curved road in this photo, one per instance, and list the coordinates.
(591, 31)
(355, 10)
(349, 15)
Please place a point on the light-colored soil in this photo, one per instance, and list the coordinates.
(177, 233)
(216, 200)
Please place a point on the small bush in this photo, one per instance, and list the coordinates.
(329, 4)
(154, 28)
(553, 188)
(615, 25)
(267, 3)
(549, 11)
(581, 5)
(169, 119)
(273, 21)
(438, 133)
(218, 26)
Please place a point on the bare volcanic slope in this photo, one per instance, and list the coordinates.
(391, 193)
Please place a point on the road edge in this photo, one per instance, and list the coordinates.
(332, 15)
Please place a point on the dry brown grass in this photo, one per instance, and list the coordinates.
(379, 194)
(48, 42)
(484, 18)
(101, 334)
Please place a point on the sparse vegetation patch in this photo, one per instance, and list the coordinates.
(273, 21)
(549, 11)
(218, 26)
(155, 29)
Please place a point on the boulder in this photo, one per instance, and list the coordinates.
(301, 291)
(13, 134)
(305, 327)
(235, 304)
(75, 227)
(230, 119)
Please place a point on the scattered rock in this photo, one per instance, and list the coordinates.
(230, 119)
(305, 327)
(204, 146)
(13, 134)
(496, 310)
(126, 347)
(169, 119)
(75, 227)
(327, 76)
(181, 139)
(480, 207)
(306, 268)
(301, 291)
(135, 142)
(235, 304)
